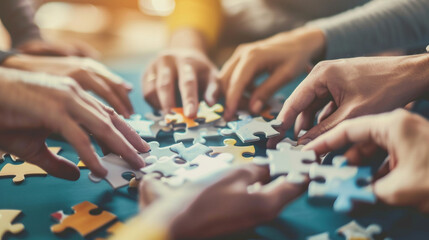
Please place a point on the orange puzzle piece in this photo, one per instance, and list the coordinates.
(236, 151)
(179, 118)
(82, 220)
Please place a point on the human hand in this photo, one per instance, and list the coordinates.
(284, 56)
(90, 74)
(45, 48)
(199, 203)
(191, 70)
(404, 136)
(33, 105)
(348, 88)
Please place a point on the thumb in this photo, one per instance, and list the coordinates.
(388, 188)
(54, 165)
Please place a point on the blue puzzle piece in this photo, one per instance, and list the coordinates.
(341, 182)
(190, 153)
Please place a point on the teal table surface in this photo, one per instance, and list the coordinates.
(38, 197)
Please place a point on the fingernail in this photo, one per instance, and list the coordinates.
(128, 85)
(304, 141)
(190, 109)
(257, 106)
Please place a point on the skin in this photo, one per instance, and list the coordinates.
(46, 48)
(284, 56)
(89, 74)
(186, 64)
(348, 88)
(34, 105)
(198, 203)
(404, 136)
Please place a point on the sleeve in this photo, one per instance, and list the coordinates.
(18, 18)
(376, 26)
(205, 16)
(4, 55)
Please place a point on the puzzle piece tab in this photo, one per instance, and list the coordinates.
(198, 134)
(343, 183)
(209, 114)
(115, 166)
(246, 131)
(20, 171)
(285, 160)
(82, 220)
(7, 216)
(190, 153)
(236, 151)
(354, 231)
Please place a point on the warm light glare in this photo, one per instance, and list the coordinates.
(157, 7)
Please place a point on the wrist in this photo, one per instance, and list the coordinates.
(189, 38)
(313, 40)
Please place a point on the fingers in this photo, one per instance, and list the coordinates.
(188, 87)
(212, 91)
(165, 85)
(121, 90)
(250, 174)
(306, 118)
(280, 192)
(149, 87)
(360, 152)
(55, 165)
(327, 111)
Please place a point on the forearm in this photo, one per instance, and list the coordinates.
(17, 16)
(377, 26)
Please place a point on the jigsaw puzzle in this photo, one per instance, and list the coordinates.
(157, 152)
(165, 165)
(285, 160)
(209, 114)
(82, 220)
(190, 153)
(20, 171)
(236, 151)
(179, 118)
(198, 134)
(115, 166)
(201, 168)
(148, 128)
(353, 231)
(7, 216)
(246, 130)
(345, 183)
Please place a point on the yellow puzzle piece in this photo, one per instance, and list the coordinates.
(20, 171)
(210, 114)
(6, 218)
(236, 151)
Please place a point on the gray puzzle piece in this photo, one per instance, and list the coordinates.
(246, 130)
(198, 134)
(115, 166)
(286, 160)
(190, 153)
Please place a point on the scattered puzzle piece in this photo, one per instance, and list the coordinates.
(6, 218)
(285, 160)
(209, 114)
(236, 151)
(201, 168)
(81, 165)
(20, 171)
(165, 165)
(190, 153)
(320, 236)
(198, 134)
(158, 125)
(82, 220)
(354, 231)
(115, 166)
(293, 143)
(343, 183)
(157, 152)
(179, 118)
(247, 131)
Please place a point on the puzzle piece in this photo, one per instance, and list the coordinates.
(82, 220)
(202, 167)
(115, 166)
(190, 153)
(6, 218)
(293, 143)
(320, 236)
(246, 132)
(148, 128)
(342, 183)
(286, 160)
(209, 114)
(354, 231)
(20, 171)
(158, 125)
(236, 151)
(81, 165)
(2, 156)
(157, 152)
(198, 134)
(179, 118)
(165, 165)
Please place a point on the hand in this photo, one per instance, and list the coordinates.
(353, 87)
(45, 48)
(186, 65)
(90, 75)
(284, 56)
(193, 71)
(33, 105)
(244, 208)
(404, 136)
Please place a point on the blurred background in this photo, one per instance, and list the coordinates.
(119, 29)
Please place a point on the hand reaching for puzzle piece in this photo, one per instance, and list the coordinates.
(404, 136)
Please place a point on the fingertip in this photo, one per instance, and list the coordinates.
(256, 106)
